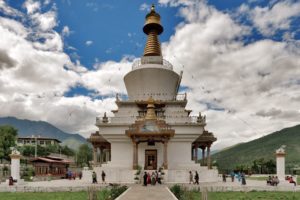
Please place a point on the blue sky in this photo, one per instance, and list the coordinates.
(240, 60)
(114, 27)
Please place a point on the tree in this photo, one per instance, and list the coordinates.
(8, 135)
(84, 155)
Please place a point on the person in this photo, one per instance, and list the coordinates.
(103, 176)
(269, 180)
(10, 181)
(224, 177)
(232, 176)
(69, 175)
(80, 175)
(148, 178)
(191, 177)
(153, 180)
(94, 176)
(196, 178)
(243, 178)
(292, 181)
(239, 176)
(145, 178)
(159, 177)
(275, 181)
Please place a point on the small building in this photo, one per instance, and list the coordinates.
(42, 141)
(54, 166)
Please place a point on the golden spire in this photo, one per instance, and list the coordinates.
(150, 115)
(152, 28)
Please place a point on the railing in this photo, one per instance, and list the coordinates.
(179, 97)
(140, 62)
(131, 119)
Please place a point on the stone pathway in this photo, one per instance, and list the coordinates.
(138, 192)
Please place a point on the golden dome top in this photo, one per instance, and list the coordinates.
(152, 28)
(150, 115)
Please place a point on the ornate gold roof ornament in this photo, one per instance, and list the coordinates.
(152, 28)
(150, 115)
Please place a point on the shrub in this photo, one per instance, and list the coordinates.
(117, 191)
(177, 191)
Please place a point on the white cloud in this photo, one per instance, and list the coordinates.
(108, 76)
(255, 85)
(88, 43)
(7, 10)
(66, 31)
(247, 81)
(273, 17)
(32, 6)
(145, 6)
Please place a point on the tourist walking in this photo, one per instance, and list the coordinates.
(191, 177)
(232, 176)
(243, 176)
(103, 176)
(224, 177)
(145, 178)
(94, 176)
(80, 175)
(196, 178)
(159, 177)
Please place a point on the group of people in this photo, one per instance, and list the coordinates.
(152, 179)
(94, 177)
(273, 180)
(290, 180)
(240, 176)
(72, 175)
(194, 179)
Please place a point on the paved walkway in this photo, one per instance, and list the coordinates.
(138, 192)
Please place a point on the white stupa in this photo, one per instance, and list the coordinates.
(152, 128)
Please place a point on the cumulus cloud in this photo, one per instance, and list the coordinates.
(5, 60)
(273, 17)
(88, 43)
(236, 84)
(246, 89)
(66, 31)
(108, 76)
(145, 6)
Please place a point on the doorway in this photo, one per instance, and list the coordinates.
(151, 159)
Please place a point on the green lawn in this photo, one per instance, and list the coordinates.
(43, 196)
(254, 195)
(103, 194)
(258, 178)
(193, 195)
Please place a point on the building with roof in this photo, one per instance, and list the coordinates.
(42, 141)
(152, 128)
(49, 165)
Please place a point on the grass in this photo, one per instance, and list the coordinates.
(104, 194)
(193, 195)
(257, 178)
(254, 195)
(43, 195)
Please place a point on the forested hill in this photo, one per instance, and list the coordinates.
(27, 128)
(264, 147)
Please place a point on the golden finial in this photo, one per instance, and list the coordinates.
(153, 7)
(150, 115)
(152, 28)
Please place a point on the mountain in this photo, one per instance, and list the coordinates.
(27, 128)
(264, 147)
